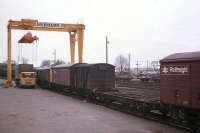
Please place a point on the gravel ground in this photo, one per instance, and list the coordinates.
(43, 111)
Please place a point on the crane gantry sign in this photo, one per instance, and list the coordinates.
(76, 32)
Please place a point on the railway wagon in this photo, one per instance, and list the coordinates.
(3, 70)
(55, 77)
(78, 77)
(180, 84)
(92, 77)
(43, 76)
(61, 76)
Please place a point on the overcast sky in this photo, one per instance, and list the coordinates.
(147, 29)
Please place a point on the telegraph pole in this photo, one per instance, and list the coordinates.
(137, 64)
(107, 42)
(54, 53)
(147, 66)
(129, 63)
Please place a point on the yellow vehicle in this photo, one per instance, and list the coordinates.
(27, 79)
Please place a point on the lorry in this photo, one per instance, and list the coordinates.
(25, 76)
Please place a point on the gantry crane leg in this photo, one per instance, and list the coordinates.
(80, 45)
(72, 46)
(9, 63)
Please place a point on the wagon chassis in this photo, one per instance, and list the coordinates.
(140, 109)
(127, 105)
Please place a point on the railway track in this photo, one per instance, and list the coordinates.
(142, 94)
(138, 99)
(154, 116)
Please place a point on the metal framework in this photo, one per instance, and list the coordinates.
(76, 32)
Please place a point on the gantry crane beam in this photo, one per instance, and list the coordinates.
(44, 26)
(75, 30)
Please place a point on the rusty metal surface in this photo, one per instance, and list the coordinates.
(28, 38)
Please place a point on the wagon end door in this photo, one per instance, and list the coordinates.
(195, 84)
(175, 84)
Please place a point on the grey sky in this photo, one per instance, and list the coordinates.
(148, 29)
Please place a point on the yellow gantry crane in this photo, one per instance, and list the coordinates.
(76, 32)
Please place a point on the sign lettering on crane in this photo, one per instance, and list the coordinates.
(50, 25)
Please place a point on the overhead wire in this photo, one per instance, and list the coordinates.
(18, 53)
(32, 52)
(36, 60)
(22, 55)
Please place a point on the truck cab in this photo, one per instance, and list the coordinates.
(27, 79)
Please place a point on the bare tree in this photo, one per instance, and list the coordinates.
(121, 63)
(58, 62)
(24, 60)
(155, 65)
(45, 63)
(51, 63)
